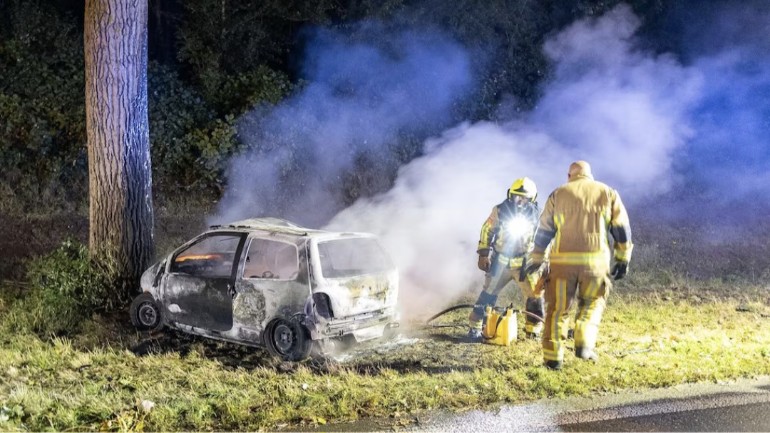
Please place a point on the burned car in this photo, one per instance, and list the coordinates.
(267, 282)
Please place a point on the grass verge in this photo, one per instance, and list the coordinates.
(95, 381)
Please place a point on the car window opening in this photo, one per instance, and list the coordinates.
(342, 258)
(210, 257)
(271, 260)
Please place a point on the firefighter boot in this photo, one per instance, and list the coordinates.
(533, 327)
(586, 354)
(476, 323)
(553, 365)
(476, 318)
(474, 334)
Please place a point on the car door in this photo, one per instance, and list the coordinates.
(199, 288)
(273, 283)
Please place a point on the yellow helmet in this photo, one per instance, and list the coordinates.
(524, 187)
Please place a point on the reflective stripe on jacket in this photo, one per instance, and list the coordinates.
(577, 217)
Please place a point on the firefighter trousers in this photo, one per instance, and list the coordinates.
(565, 285)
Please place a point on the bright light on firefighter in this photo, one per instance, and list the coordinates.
(518, 227)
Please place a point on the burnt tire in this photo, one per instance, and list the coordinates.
(288, 340)
(146, 313)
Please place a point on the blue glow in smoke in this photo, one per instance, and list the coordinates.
(729, 154)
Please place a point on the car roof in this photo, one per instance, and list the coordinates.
(278, 225)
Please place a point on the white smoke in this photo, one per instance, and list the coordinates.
(623, 108)
(650, 125)
(362, 96)
(620, 109)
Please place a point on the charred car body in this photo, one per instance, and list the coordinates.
(267, 282)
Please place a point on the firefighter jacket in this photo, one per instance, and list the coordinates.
(578, 217)
(508, 231)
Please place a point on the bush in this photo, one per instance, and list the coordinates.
(42, 107)
(66, 286)
(237, 93)
(196, 162)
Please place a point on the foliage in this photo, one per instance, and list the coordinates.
(43, 158)
(93, 382)
(182, 128)
(240, 92)
(42, 135)
(66, 287)
(231, 57)
(239, 36)
(202, 155)
(236, 51)
(191, 144)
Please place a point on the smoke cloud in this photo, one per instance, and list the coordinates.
(668, 132)
(621, 109)
(730, 152)
(362, 96)
(723, 186)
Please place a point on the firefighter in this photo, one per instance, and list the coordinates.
(575, 224)
(506, 237)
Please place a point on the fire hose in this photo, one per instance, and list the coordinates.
(461, 306)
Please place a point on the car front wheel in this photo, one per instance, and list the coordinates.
(146, 314)
(287, 339)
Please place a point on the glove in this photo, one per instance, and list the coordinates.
(484, 263)
(619, 270)
(532, 268)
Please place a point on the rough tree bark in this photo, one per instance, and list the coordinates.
(119, 170)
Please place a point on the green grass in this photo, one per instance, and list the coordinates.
(93, 381)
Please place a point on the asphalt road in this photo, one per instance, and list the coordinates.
(737, 406)
(742, 405)
(742, 418)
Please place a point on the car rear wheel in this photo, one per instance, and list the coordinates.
(146, 314)
(287, 339)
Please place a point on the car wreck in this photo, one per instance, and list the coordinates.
(269, 283)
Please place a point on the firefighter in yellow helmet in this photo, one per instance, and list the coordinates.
(575, 222)
(506, 237)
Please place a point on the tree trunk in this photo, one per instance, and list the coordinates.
(119, 170)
